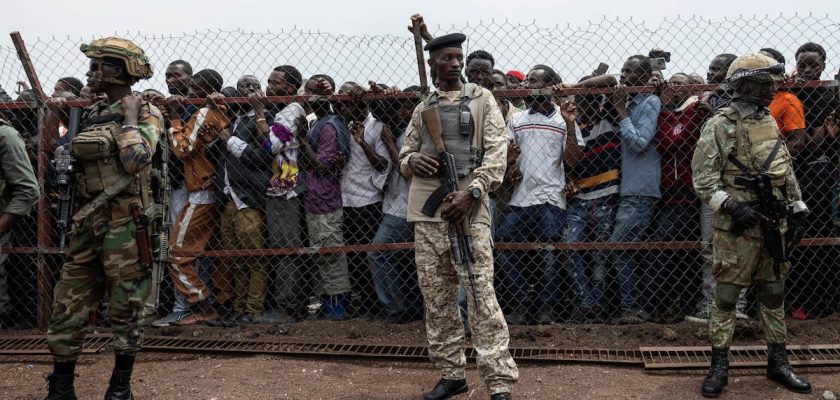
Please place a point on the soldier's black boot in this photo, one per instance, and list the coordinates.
(779, 369)
(60, 387)
(446, 388)
(120, 386)
(718, 376)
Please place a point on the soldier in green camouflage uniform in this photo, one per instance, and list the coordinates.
(113, 152)
(743, 140)
(437, 274)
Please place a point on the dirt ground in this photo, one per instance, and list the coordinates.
(185, 377)
(192, 376)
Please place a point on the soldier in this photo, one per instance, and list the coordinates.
(109, 243)
(740, 148)
(482, 133)
(18, 192)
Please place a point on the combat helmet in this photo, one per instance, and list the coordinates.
(136, 62)
(755, 66)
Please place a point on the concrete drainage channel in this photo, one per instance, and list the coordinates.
(651, 358)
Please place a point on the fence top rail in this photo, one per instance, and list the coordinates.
(508, 93)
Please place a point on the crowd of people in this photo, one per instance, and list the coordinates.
(323, 174)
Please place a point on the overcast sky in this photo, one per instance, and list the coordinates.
(85, 19)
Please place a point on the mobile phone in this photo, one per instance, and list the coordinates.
(657, 64)
(601, 70)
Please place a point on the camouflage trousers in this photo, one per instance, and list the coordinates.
(439, 278)
(242, 230)
(741, 261)
(325, 230)
(94, 263)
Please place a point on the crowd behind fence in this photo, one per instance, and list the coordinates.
(262, 234)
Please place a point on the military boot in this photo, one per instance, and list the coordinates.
(60, 387)
(120, 386)
(446, 388)
(718, 376)
(779, 369)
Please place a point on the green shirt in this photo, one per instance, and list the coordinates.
(19, 189)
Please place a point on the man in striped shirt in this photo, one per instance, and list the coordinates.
(537, 209)
(593, 186)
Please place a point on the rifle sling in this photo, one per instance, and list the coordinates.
(772, 156)
(109, 193)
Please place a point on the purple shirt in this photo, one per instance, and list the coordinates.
(323, 194)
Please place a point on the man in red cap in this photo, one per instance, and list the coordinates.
(515, 78)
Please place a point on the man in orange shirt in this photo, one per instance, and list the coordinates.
(199, 218)
(787, 110)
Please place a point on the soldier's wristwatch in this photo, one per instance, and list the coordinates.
(476, 193)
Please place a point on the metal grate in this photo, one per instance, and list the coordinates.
(740, 356)
(94, 343)
(37, 344)
(545, 354)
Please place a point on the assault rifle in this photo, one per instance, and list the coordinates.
(157, 218)
(772, 209)
(64, 163)
(460, 240)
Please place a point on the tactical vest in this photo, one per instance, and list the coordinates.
(458, 126)
(754, 142)
(95, 148)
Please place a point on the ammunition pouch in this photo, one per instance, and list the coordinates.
(96, 150)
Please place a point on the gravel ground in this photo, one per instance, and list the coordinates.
(182, 377)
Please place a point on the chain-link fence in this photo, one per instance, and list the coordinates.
(297, 209)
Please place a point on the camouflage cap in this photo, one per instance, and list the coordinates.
(755, 66)
(136, 62)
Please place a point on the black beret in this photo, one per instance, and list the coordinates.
(442, 42)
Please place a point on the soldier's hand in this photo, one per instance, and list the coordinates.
(131, 104)
(797, 225)
(742, 214)
(460, 205)
(424, 30)
(423, 165)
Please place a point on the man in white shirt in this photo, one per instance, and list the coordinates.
(537, 209)
(392, 272)
(362, 183)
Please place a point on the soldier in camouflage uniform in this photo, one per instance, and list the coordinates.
(438, 276)
(113, 152)
(739, 142)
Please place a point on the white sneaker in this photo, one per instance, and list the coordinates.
(700, 317)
